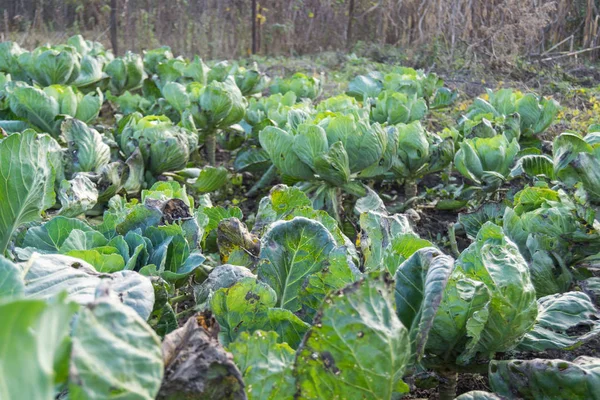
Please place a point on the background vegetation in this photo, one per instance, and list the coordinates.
(499, 30)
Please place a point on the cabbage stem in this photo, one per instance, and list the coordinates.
(410, 189)
(448, 383)
(210, 142)
(264, 181)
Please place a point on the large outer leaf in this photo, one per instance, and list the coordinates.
(248, 306)
(90, 72)
(11, 282)
(420, 284)
(310, 142)
(279, 144)
(77, 196)
(382, 239)
(87, 152)
(364, 143)
(364, 87)
(357, 347)
(588, 169)
(210, 179)
(34, 335)
(115, 354)
(558, 315)
(266, 365)
(317, 286)
(35, 106)
(223, 276)
(89, 106)
(291, 251)
(50, 236)
(47, 275)
(281, 201)
(479, 395)
(464, 300)
(494, 260)
(547, 379)
(197, 366)
(565, 148)
(26, 181)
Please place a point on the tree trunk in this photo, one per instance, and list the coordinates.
(254, 31)
(113, 27)
(349, 27)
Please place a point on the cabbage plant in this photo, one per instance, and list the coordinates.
(214, 107)
(486, 162)
(326, 154)
(56, 65)
(488, 306)
(397, 107)
(417, 153)
(250, 80)
(554, 233)
(536, 113)
(125, 73)
(408, 81)
(305, 87)
(158, 236)
(40, 109)
(164, 146)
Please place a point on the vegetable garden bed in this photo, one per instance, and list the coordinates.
(174, 230)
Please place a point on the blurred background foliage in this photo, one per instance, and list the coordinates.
(472, 30)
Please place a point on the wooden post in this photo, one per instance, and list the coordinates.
(254, 30)
(113, 27)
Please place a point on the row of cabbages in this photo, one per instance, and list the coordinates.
(302, 312)
(372, 132)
